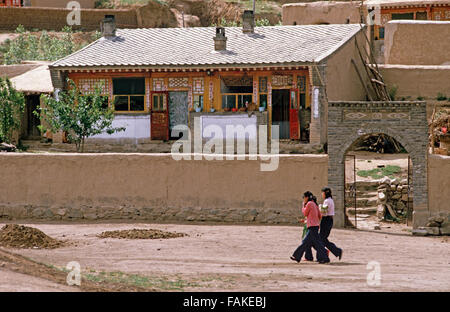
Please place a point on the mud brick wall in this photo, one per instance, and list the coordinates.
(405, 121)
(155, 187)
(56, 18)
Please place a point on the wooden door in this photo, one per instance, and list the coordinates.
(159, 116)
(294, 123)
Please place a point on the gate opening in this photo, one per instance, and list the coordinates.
(378, 184)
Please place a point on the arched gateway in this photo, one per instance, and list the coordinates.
(406, 121)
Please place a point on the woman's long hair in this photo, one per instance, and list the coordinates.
(310, 196)
(327, 192)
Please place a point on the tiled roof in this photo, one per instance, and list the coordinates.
(175, 47)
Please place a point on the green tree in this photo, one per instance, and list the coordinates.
(12, 104)
(80, 116)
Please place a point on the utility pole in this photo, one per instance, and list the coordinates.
(254, 6)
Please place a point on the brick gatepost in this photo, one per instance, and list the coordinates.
(406, 121)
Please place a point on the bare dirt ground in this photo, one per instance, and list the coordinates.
(225, 258)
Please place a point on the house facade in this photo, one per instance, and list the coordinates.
(158, 78)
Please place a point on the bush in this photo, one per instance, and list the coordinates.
(80, 116)
(441, 97)
(12, 104)
(44, 48)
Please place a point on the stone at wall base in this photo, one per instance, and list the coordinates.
(445, 229)
(431, 230)
(419, 232)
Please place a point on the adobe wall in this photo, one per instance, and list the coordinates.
(155, 187)
(417, 43)
(438, 183)
(329, 12)
(56, 18)
(85, 4)
(154, 14)
(417, 80)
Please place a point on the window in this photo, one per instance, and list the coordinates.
(129, 94)
(402, 16)
(263, 100)
(236, 91)
(159, 102)
(421, 16)
(381, 32)
(198, 102)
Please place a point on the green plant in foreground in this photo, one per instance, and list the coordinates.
(80, 116)
(441, 97)
(12, 105)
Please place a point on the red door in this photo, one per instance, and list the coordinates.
(294, 123)
(160, 116)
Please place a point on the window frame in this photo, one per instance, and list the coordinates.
(144, 96)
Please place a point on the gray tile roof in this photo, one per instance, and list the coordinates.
(186, 47)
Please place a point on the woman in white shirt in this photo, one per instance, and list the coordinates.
(326, 224)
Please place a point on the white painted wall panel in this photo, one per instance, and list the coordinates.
(249, 123)
(137, 127)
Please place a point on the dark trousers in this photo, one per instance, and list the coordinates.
(312, 239)
(326, 224)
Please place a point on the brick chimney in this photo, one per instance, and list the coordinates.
(108, 26)
(220, 41)
(248, 21)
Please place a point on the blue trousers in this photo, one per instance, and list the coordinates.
(312, 239)
(326, 224)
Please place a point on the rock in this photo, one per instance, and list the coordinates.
(432, 224)
(400, 205)
(431, 230)
(75, 214)
(404, 197)
(48, 214)
(385, 180)
(393, 188)
(381, 211)
(61, 212)
(420, 232)
(396, 196)
(7, 147)
(91, 216)
(445, 229)
(404, 181)
(377, 227)
(37, 212)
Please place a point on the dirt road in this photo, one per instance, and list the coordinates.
(232, 258)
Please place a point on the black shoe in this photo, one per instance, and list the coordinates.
(293, 259)
(340, 255)
(324, 261)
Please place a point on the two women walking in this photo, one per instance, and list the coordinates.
(317, 219)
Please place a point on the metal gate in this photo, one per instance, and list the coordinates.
(409, 204)
(350, 190)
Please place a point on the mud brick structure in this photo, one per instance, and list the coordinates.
(405, 121)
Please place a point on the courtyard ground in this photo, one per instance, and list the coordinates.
(225, 258)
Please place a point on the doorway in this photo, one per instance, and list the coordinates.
(32, 130)
(378, 184)
(178, 110)
(280, 111)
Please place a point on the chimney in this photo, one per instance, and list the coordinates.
(220, 41)
(108, 26)
(248, 21)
